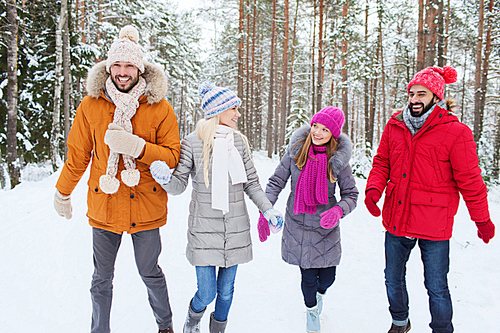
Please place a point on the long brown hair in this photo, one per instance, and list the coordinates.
(303, 154)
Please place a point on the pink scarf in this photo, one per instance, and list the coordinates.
(312, 186)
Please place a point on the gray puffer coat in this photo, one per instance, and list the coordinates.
(215, 239)
(305, 243)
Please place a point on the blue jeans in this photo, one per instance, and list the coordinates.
(436, 259)
(316, 280)
(147, 248)
(210, 285)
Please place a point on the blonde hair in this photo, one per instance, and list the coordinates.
(303, 154)
(205, 128)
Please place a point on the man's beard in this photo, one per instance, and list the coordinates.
(129, 85)
(425, 108)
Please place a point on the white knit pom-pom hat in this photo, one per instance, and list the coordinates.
(126, 49)
(215, 100)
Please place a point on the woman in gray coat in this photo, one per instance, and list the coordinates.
(317, 159)
(219, 162)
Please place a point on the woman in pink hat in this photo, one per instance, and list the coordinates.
(317, 160)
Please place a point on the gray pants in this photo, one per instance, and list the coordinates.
(147, 248)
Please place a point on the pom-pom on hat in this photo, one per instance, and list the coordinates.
(434, 79)
(126, 49)
(215, 100)
(332, 118)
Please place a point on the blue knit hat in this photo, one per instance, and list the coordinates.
(215, 100)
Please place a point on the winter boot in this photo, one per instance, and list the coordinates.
(192, 324)
(313, 324)
(217, 326)
(168, 330)
(319, 301)
(400, 329)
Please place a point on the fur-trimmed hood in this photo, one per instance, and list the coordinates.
(156, 81)
(341, 156)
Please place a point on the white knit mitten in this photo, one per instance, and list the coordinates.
(123, 142)
(62, 205)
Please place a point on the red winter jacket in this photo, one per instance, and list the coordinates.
(424, 174)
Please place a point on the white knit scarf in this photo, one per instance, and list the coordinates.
(126, 107)
(226, 161)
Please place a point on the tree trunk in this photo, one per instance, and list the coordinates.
(246, 97)
(496, 151)
(270, 104)
(447, 29)
(68, 100)
(421, 40)
(367, 81)
(12, 47)
(55, 135)
(284, 83)
(430, 33)
(253, 125)
(484, 74)
(478, 119)
(292, 59)
(321, 65)
(345, 91)
(440, 36)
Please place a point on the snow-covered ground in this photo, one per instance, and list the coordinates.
(46, 267)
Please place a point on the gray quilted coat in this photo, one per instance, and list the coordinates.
(305, 243)
(215, 239)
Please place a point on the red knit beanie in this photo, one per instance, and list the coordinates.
(330, 117)
(434, 79)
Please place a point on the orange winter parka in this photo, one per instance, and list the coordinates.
(130, 209)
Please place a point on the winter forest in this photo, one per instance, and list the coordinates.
(286, 59)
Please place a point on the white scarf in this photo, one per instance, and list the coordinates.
(226, 160)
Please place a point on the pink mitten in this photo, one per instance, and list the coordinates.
(263, 227)
(331, 217)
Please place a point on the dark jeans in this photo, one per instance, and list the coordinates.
(436, 259)
(316, 280)
(210, 285)
(147, 248)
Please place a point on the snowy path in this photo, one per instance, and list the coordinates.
(46, 266)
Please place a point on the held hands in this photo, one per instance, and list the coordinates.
(371, 198)
(485, 230)
(271, 220)
(331, 217)
(62, 205)
(275, 220)
(263, 228)
(123, 142)
(161, 172)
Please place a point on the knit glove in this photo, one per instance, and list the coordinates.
(275, 220)
(371, 198)
(62, 205)
(263, 228)
(485, 230)
(160, 172)
(331, 217)
(123, 142)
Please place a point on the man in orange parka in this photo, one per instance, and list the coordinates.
(124, 115)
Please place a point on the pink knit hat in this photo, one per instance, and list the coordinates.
(330, 117)
(434, 79)
(126, 49)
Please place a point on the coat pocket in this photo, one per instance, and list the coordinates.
(428, 213)
(388, 203)
(98, 203)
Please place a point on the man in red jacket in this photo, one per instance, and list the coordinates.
(426, 157)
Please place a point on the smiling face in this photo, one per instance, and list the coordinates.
(420, 100)
(229, 117)
(320, 135)
(124, 75)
